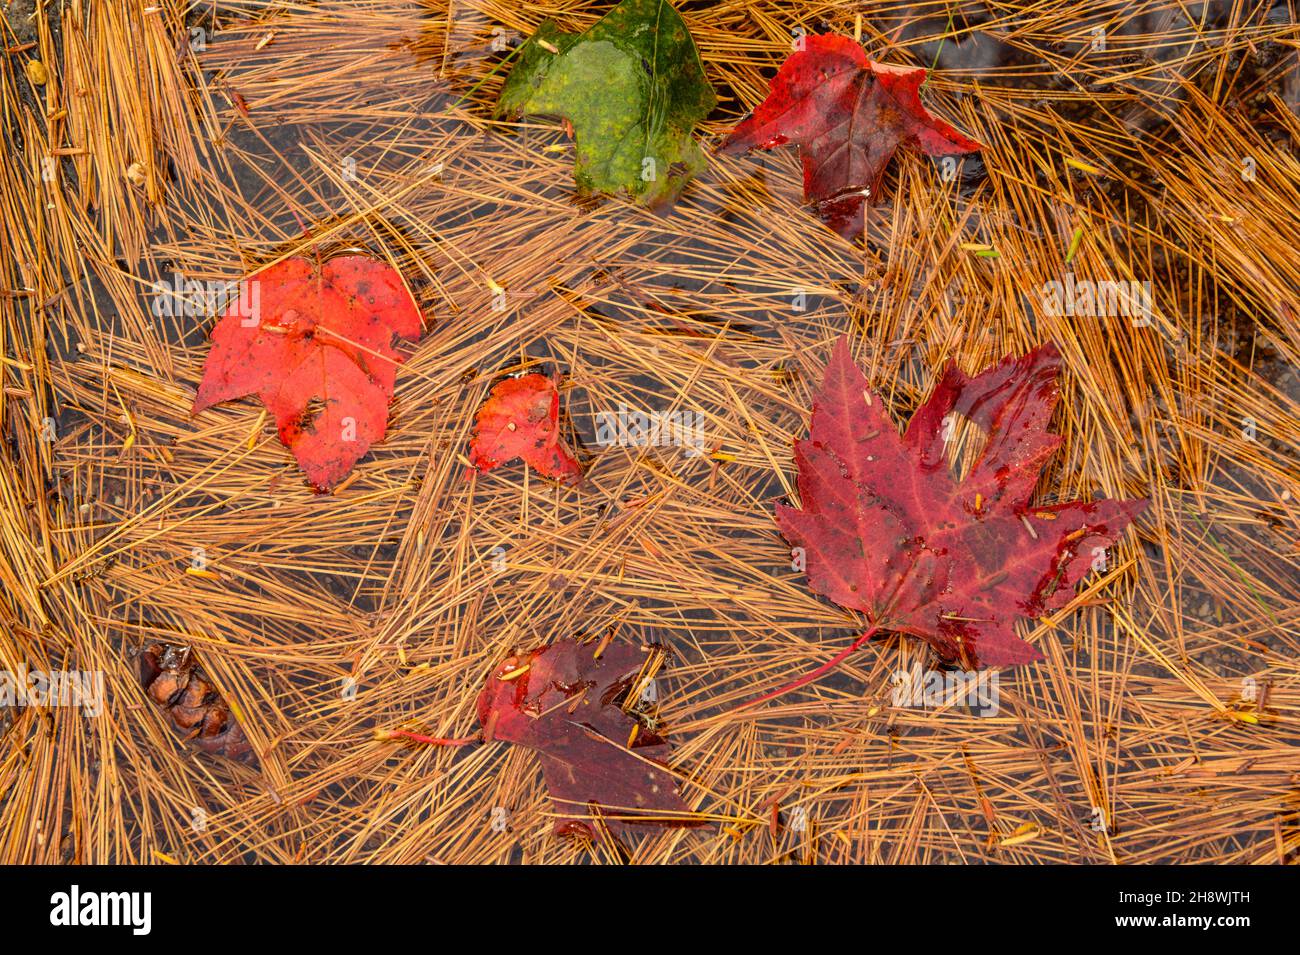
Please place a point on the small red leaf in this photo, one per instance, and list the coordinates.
(317, 349)
(889, 532)
(566, 703)
(520, 419)
(848, 115)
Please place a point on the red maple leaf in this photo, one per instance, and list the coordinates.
(848, 115)
(520, 419)
(888, 531)
(567, 704)
(317, 349)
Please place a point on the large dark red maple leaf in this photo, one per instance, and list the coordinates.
(848, 115)
(318, 351)
(567, 704)
(888, 531)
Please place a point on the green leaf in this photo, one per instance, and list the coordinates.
(633, 88)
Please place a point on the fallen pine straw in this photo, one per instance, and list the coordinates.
(1169, 703)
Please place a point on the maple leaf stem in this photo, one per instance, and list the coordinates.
(430, 740)
(812, 675)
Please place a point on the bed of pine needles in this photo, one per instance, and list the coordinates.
(210, 139)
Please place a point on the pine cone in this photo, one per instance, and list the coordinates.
(173, 679)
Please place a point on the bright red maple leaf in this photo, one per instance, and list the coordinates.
(888, 531)
(567, 704)
(848, 115)
(317, 349)
(521, 419)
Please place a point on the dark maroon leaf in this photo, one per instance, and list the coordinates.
(568, 704)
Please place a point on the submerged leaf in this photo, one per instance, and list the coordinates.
(317, 349)
(520, 419)
(888, 531)
(848, 115)
(597, 757)
(633, 89)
